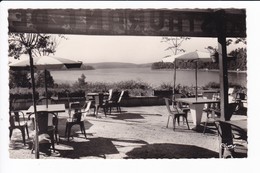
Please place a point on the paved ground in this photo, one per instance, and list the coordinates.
(138, 132)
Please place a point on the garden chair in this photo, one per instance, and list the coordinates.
(99, 103)
(46, 126)
(176, 113)
(17, 121)
(45, 100)
(115, 102)
(213, 113)
(48, 101)
(232, 140)
(77, 118)
(240, 98)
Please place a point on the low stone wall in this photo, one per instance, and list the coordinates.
(24, 104)
(142, 101)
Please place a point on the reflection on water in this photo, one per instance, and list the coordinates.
(152, 77)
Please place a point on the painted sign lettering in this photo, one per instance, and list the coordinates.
(152, 22)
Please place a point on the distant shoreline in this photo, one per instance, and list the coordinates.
(211, 70)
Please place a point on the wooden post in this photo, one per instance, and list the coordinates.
(196, 80)
(223, 73)
(45, 85)
(36, 140)
(174, 79)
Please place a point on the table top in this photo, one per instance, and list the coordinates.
(50, 108)
(198, 101)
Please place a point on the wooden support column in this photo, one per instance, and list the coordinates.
(223, 72)
(36, 139)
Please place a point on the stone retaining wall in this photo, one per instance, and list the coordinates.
(24, 104)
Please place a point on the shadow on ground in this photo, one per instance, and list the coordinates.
(170, 151)
(125, 116)
(96, 147)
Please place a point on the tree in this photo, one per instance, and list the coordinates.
(81, 80)
(174, 44)
(40, 79)
(19, 79)
(39, 44)
(33, 45)
(237, 41)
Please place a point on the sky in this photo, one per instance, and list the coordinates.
(130, 49)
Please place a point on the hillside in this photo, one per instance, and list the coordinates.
(116, 65)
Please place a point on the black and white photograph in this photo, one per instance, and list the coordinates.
(133, 81)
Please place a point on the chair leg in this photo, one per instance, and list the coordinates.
(205, 126)
(83, 129)
(168, 122)
(23, 134)
(105, 112)
(52, 140)
(174, 122)
(10, 132)
(206, 123)
(187, 122)
(66, 130)
(56, 137)
(69, 129)
(118, 109)
(178, 120)
(26, 127)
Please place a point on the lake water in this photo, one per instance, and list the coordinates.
(152, 77)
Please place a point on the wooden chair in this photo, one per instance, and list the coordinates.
(176, 113)
(77, 118)
(17, 121)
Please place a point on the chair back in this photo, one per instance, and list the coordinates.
(110, 94)
(15, 118)
(231, 109)
(45, 120)
(241, 96)
(45, 100)
(175, 106)
(228, 131)
(86, 109)
(74, 107)
(231, 91)
(120, 97)
(167, 105)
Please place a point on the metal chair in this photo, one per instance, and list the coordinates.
(213, 113)
(17, 121)
(77, 118)
(48, 101)
(232, 140)
(176, 113)
(46, 126)
(115, 101)
(99, 103)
